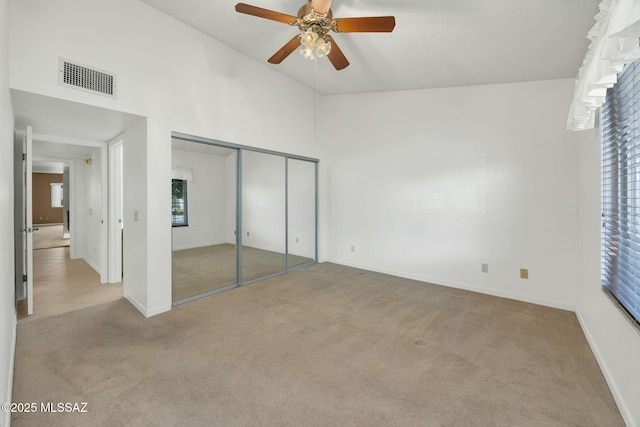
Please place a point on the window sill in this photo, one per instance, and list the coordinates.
(629, 318)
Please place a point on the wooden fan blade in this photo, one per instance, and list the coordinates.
(265, 13)
(285, 51)
(336, 56)
(375, 24)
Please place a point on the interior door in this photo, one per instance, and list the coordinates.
(116, 191)
(23, 219)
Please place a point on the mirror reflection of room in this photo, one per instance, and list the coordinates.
(276, 223)
(263, 215)
(301, 205)
(203, 217)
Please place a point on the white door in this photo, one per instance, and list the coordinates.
(24, 218)
(116, 191)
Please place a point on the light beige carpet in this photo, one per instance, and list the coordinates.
(323, 346)
(48, 236)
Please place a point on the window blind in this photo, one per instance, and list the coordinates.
(620, 125)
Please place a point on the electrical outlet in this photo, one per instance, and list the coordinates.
(485, 268)
(353, 248)
(524, 273)
(296, 240)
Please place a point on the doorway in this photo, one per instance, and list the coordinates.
(67, 269)
(74, 138)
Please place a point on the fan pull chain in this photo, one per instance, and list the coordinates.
(315, 91)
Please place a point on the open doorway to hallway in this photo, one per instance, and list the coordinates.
(69, 216)
(74, 263)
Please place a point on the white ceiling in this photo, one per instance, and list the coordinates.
(63, 130)
(436, 43)
(52, 157)
(57, 117)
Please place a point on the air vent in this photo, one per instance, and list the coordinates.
(72, 74)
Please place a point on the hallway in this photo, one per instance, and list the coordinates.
(61, 285)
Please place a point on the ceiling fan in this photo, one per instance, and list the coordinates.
(315, 20)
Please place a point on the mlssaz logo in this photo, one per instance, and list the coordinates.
(63, 407)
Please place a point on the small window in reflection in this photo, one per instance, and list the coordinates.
(179, 211)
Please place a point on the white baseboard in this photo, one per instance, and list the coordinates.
(92, 265)
(158, 310)
(605, 372)
(141, 308)
(147, 312)
(466, 287)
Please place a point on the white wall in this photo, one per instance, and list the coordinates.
(136, 279)
(206, 198)
(178, 78)
(7, 285)
(614, 341)
(431, 184)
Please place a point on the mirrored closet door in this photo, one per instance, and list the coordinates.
(203, 219)
(301, 212)
(239, 215)
(263, 215)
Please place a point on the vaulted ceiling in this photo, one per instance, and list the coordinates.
(436, 43)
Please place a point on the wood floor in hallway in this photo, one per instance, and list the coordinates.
(61, 284)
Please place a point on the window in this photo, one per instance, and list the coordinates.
(620, 264)
(56, 195)
(179, 215)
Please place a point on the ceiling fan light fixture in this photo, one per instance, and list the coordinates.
(309, 38)
(323, 48)
(308, 52)
(313, 44)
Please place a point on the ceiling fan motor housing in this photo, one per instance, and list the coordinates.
(308, 18)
